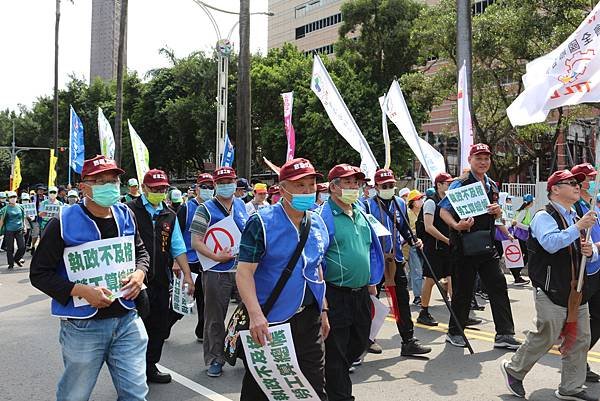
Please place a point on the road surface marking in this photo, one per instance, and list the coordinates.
(192, 385)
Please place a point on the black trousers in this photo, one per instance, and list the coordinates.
(350, 321)
(405, 324)
(463, 280)
(199, 297)
(9, 246)
(310, 351)
(158, 321)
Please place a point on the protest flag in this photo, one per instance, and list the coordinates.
(465, 123)
(288, 104)
(140, 153)
(105, 133)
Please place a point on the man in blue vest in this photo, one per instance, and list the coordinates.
(204, 191)
(105, 330)
(162, 237)
(486, 264)
(395, 275)
(268, 242)
(218, 281)
(353, 267)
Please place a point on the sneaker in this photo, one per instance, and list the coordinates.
(456, 340)
(506, 341)
(19, 262)
(375, 348)
(514, 385)
(358, 362)
(591, 377)
(215, 369)
(351, 369)
(413, 347)
(582, 395)
(426, 319)
(483, 295)
(476, 306)
(521, 281)
(472, 322)
(10, 267)
(200, 339)
(417, 301)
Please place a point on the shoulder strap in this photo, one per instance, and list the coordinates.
(287, 272)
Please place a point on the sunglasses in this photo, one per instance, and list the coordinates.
(206, 186)
(387, 186)
(573, 183)
(52, 192)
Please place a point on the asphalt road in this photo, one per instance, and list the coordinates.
(31, 364)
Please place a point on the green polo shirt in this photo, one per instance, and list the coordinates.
(348, 256)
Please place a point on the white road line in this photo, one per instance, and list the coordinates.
(192, 385)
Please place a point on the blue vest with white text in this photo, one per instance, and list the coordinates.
(192, 205)
(281, 239)
(240, 216)
(376, 252)
(373, 208)
(77, 228)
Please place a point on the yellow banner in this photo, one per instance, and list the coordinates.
(16, 181)
(52, 172)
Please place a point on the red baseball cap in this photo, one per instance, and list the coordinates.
(584, 168)
(344, 170)
(563, 175)
(478, 149)
(99, 164)
(443, 177)
(295, 169)
(156, 178)
(322, 187)
(224, 173)
(383, 176)
(273, 189)
(204, 177)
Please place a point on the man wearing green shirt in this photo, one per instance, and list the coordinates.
(13, 221)
(353, 266)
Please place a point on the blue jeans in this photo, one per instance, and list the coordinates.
(88, 343)
(415, 264)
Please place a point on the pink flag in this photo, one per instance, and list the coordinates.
(288, 102)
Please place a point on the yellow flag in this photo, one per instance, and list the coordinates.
(16, 181)
(52, 172)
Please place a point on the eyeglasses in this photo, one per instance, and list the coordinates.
(52, 192)
(387, 186)
(102, 182)
(573, 183)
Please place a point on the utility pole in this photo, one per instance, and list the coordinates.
(120, 70)
(55, 114)
(243, 124)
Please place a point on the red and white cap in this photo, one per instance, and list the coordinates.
(383, 176)
(297, 168)
(223, 173)
(99, 164)
(345, 170)
(156, 178)
(478, 149)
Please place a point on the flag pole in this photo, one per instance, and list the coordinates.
(70, 140)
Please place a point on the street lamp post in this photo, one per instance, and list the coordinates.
(223, 48)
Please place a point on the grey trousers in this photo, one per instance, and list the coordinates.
(549, 322)
(218, 288)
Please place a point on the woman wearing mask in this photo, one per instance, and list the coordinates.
(72, 197)
(47, 213)
(521, 232)
(274, 194)
(322, 194)
(13, 223)
(415, 263)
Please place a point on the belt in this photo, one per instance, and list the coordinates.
(346, 289)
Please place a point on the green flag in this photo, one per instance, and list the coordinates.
(140, 153)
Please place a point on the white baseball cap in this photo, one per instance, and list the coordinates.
(25, 196)
(72, 193)
(403, 192)
(132, 182)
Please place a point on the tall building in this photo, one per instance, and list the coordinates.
(105, 39)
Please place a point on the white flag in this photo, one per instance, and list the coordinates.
(107, 139)
(386, 135)
(140, 154)
(568, 75)
(397, 111)
(322, 85)
(465, 126)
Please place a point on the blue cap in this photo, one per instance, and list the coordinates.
(429, 192)
(527, 198)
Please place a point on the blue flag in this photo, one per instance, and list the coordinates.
(76, 147)
(228, 153)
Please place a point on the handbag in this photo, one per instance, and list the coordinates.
(241, 321)
(477, 243)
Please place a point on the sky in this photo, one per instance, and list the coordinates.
(27, 32)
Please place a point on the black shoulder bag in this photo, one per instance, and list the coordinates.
(241, 321)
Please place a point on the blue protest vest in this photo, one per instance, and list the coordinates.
(376, 252)
(592, 267)
(216, 214)
(77, 228)
(281, 239)
(382, 217)
(192, 205)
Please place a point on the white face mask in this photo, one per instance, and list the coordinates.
(387, 193)
(52, 196)
(324, 196)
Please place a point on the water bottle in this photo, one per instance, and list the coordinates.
(189, 299)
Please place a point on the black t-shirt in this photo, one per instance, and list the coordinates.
(50, 251)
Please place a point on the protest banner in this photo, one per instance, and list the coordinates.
(107, 139)
(30, 210)
(513, 257)
(220, 236)
(180, 299)
(102, 263)
(469, 201)
(275, 366)
(51, 211)
(379, 311)
(465, 126)
(141, 156)
(379, 228)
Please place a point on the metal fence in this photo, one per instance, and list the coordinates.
(517, 189)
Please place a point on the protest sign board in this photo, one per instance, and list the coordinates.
(469, 200)
(100, 263)
(513, 257)
(51, 211)
(275, 366)
(30, 210)
(179, 299)
(379, 311)
(220, 236)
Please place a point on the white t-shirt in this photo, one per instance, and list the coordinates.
(429, 207)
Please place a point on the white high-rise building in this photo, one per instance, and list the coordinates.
(105, 39)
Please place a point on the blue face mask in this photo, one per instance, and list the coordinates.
(206, 194)
(303, 202)
(592, 187)
(106, 195)
(226, 190)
